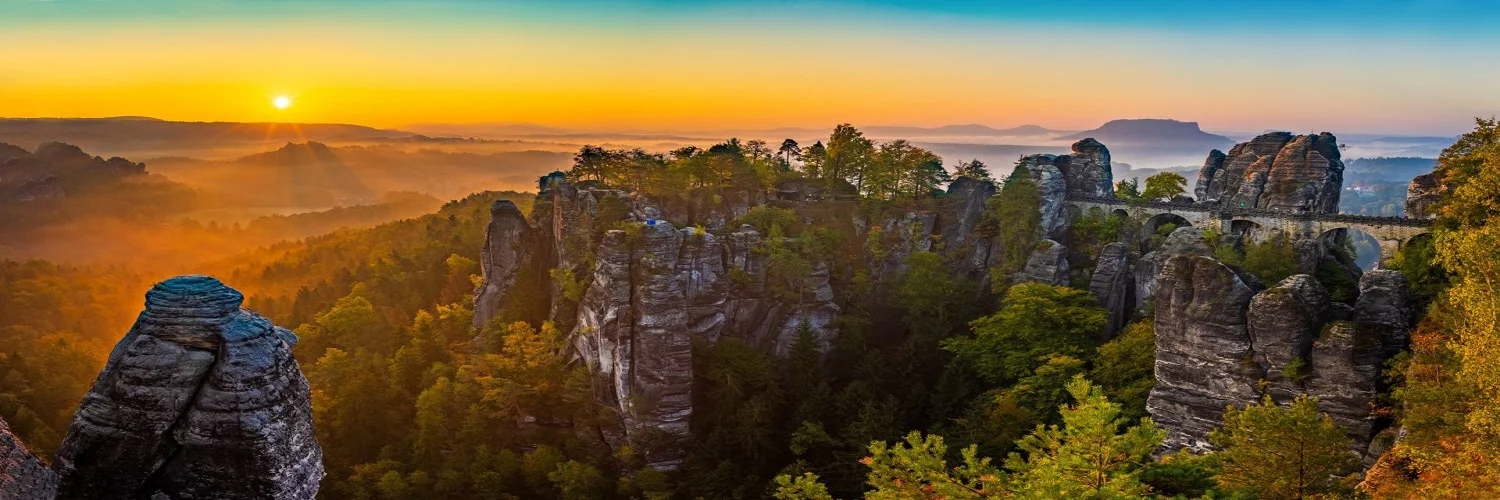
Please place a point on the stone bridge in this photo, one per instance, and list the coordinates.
(1256, 224)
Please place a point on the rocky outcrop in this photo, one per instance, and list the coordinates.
(1204, 352)
(973, 250)
(1182, 241)
(1113, 285)
(1052, 189)
(510, 252)
(1344, 375)
(633, 332)
(1275, 171)
(1283, 322)
(1048, 264)
(1384, 310)
(1423, 193)
(1086, 172)
(1295, 341)
(22, 475)
(816, 312)
(201, 399)
(1088, 169)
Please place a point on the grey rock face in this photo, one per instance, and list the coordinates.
(958, 230)
(1424, 191)
(1048, 264)
(1052, 187)
(1384, 309)
(1275, 171)
(1088, 169)
(1204, 354)
(1339, 361)
(1113, 285)
(700, 267)
(1183, 241)
(1284, 320)
(1346, 363)
(22, 475)
(201, 399)
(633, 331)
(817, 312)
(510, 250)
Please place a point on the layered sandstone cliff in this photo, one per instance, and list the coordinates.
(1275, 171)
(22, 475)
(1222, 341)
(201, 399)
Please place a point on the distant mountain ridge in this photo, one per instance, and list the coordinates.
(1151, 130)
(133, 136)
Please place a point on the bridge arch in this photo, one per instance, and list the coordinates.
(1249, 231)
(1156, 222)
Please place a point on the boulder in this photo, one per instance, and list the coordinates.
(1113, 285)
(1052, 188)
(22, 475)
(201, 399)
(1048, 264)
(1088, 169)
(1204, 353)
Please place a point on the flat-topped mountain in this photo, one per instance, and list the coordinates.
(132, 136)
(1116, 132)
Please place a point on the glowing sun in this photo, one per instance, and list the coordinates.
(281, 102)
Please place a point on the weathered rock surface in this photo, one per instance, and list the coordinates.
(1088, 169)
(1345, 371)
(1424, 191)
(510, 251)
(1182, 241)
(1384, 309)
(1275, 171)
(1113, 285)
(1086, 172)
(1204, 353)
(201, 399)
(1052, 188)
(1296, 341)
(958, 231)
(1048, 264)
(1283, 322)
(22, 475)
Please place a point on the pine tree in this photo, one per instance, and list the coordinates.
(1088, 456)
(1292, 452)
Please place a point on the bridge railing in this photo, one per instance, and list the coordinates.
(1231, 212)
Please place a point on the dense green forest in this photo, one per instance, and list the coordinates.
(936, 387)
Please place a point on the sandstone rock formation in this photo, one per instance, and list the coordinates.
(1217, 346)
(1204, 353)
(1048, 264)
(969, 197)
(1052, 187)
(1086, 172)
(1088, 169)
(22, 475)
(1284, 320)
(1113, 285)
(510, 251)
(1183, 241)
(1424, 191)
(201, 399)
(1275, 171)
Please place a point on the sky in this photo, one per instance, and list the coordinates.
(1414, 67)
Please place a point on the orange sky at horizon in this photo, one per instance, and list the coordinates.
(688, 78)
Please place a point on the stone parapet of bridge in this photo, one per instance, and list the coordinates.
(1391, 232)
